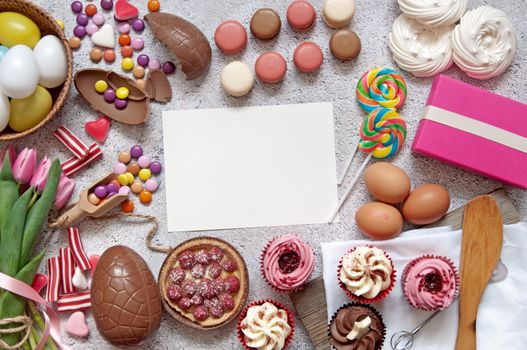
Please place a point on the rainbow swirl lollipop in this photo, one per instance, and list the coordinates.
(383, 133)
(381, 87)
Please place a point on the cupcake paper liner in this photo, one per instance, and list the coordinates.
(360, 299)
(412, 264)
(279, 290)
(374, 310)
(243, 314)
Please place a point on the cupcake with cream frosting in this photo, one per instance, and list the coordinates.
(265, 325)
(287, 263)
(356, 327)
(366, 274)
(430, 282)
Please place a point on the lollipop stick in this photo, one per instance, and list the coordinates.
(355, 147)
(350, 187)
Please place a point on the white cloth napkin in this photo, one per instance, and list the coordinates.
(502, 314)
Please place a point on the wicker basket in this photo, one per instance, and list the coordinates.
(47, 25)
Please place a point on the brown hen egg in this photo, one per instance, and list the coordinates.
(426, 204)
(387, 183)
(379, 220)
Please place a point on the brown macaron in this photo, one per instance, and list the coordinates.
(265, 24)
(345, 44)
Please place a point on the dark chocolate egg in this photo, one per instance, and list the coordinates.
(125, 298)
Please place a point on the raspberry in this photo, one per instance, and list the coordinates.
(217, 311)
(198, 271)
(211, 302)
(184, 303)
(230, 265)
(187, 259)
(200, 313)
(203, 257)
(189, 287)
(288, 262)
(218, 286)
(176, 275)
(227, 302)
(205, 288)
(196, 300)
(232, 284)
(175, 292)
(214, 270)
(216, 254)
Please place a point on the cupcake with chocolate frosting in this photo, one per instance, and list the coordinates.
(356, 327)
(287, 263)
(366, 274)
(430, 282)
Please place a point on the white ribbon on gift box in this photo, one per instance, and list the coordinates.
(475, 127)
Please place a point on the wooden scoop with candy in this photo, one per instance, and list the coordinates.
(84, 208)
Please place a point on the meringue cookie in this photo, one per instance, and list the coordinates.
(434, 12)
(484, 43)
(420, 49)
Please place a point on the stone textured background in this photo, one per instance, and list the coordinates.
(335, 82)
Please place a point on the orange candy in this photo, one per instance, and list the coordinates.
(74, 42)
(127, 51)
(124, 40)
(127, 206)
(109, 55)
(134, 168)
(145, 197)
(153, 5)
(91, 10)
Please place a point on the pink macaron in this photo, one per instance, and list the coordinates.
(301, 15)
(270, 67)
(308, 57)
(230, 37)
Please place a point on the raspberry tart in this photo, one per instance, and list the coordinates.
(204, 283)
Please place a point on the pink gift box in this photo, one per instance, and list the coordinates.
(475, 130)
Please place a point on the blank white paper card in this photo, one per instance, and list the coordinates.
(249, 167)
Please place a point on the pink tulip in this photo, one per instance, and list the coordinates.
(39, 179)
(9, 150)
(64, 191)
(25, 165)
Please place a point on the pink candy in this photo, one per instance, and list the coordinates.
(138, 44)
(91, 28)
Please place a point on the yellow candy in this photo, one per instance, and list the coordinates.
(101, 86)
(123, 179)
(60, 23)
(122, 93)
(16, 29)
(145, 174)
(130, 178)
(28, 112)
(127, 64)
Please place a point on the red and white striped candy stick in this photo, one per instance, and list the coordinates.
(72, 142)
(74, 164)
(67, 269)
(74, 302)
(74, 239)
(52, 293)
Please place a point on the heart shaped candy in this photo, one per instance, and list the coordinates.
(39, 282)
(76, 325)
(98, 129)
(105, 37)
(94, 259)
(125, 11)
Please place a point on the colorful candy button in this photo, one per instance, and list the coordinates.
(107, 4)
(90, 10)
(134, 169)
(74, 42)
(145, 197)
(137, 187)
(60, 23)
(109, 56)
(119, 168)
(138, 25)
(144, 161)
(112, 187)
(154, 64)
(138, 44)
(127, 51)
(230, 37)
(109, 95)
(155, 167)
(98, 19)
(151, 185)
(91, 28)
(153, 5)
(138, 72)
(127, 64)
(136, 151)
(237, 79)
(120, 104)
(301, 15)
(115, 182)
(124, 190)
(124, 157)
(123, 179)
(143, 60)
(265, 24)
(93, 199)
(122, 93)
(100, 191)
(270, 67)
(124, 39)
(130, 177)
(123, 28)
(96, 54)
(127, 206)
(169, 67)
(101, 86)
(145, 174)
(308, 57)
(76, 6)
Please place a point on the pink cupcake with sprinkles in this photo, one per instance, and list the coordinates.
(287, 263)
(430, 282)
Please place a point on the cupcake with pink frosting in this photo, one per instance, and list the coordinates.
(287, 263)
(430, 282)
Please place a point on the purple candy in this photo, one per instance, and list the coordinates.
(123, 28)
(120, 104)
(76, 6)
(138, 44)
(79, 32)
(124, 190)
(154, 64)
(143, 60)
(169, 67)
(82, 19)
(91, 28)
(111, 194)
(112, 188)
(138, 25)
(107, 4)
(109, 95)
(98, 19)
(155, 167)
(136, 151)
(100, 192)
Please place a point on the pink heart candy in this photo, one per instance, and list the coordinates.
(76, 325)
(39, 282)
(94, 259)
(125, 11)
(98, 129)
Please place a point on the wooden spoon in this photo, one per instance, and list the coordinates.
(480, 251)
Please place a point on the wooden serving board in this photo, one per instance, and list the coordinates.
(311, 304)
